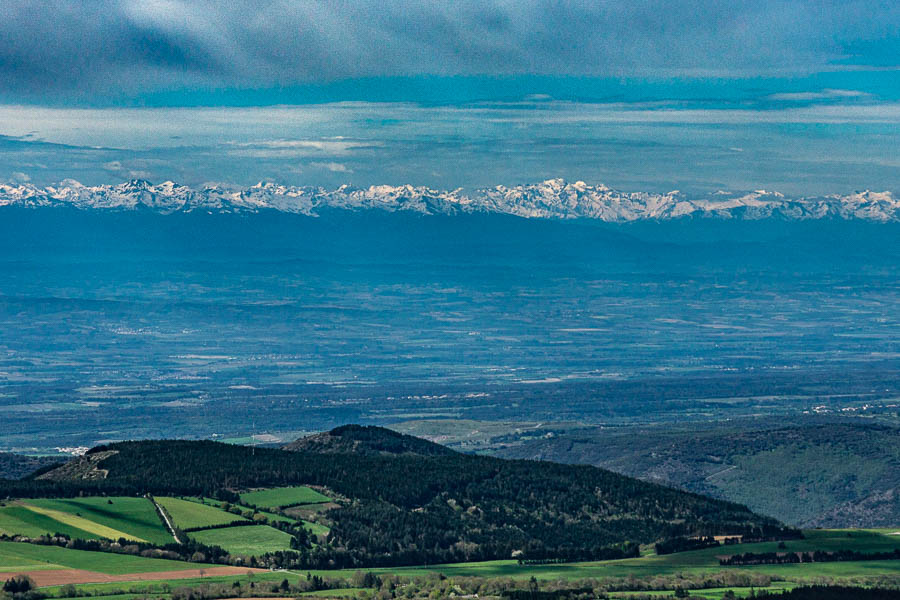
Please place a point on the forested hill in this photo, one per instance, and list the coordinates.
(411, 509)
(15, 466)
(815, 472)
(367, 440)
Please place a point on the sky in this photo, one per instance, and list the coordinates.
(801, 97)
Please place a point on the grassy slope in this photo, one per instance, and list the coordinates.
(76, 520)
(315, 528)
(248, 540)
(163, 586)
(187, 514)
(711, 593)
(339, 593)
(11, 560)
(701, 561)
(134, 516)
(646, 567)
(276, 517)
(286, 496)
(126, 596)
(18, 556)
(19, 520)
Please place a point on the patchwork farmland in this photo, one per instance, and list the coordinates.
(238, 529)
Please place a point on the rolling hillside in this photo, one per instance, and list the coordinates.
(413, 509)
(843, 473)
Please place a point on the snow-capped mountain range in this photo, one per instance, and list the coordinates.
(551, 199)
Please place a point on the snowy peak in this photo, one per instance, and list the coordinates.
(555, 198)
(550, 199)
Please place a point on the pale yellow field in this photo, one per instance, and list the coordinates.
(82, 523)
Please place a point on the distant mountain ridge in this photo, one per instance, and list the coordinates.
(550, 199)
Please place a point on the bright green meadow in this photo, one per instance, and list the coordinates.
(136, 517)
(248, 540)
(187, 514)
(286, 496)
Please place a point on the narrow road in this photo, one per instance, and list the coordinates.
(717, 473)
(164, 516)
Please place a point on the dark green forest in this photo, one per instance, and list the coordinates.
(15, 466)
(367, 440)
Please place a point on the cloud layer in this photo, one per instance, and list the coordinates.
(821, 147)
(82, 50)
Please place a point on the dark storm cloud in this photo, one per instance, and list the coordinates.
(131, 47)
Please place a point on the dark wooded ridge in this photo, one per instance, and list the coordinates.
(406, 509)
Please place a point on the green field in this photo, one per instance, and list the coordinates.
(187, 514)
(249, 540)
(711, 593)
(135, 517)
(315, 528)
(286, 496)
(128, 597)
(160, 586)
(268, 515)
(125, 597)
(77, 521)
(20, 520)
(11, 560)
(699, 561)
(276, 517)
(18, 556)
(339, 593)
(257, 539)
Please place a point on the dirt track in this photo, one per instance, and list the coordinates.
(64, 576)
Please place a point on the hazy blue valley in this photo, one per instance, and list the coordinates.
(127, 325)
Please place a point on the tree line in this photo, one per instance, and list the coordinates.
(784, 558)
